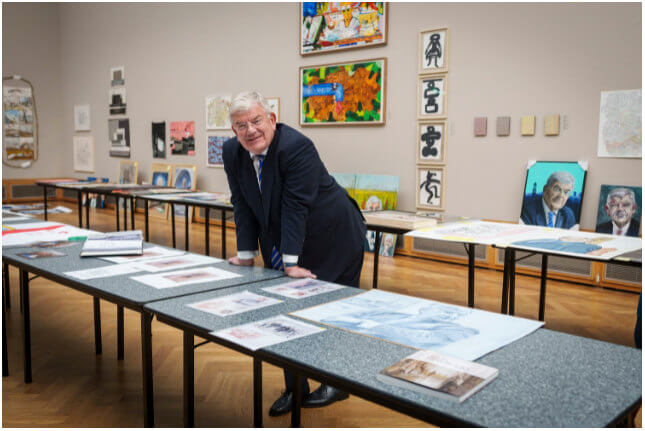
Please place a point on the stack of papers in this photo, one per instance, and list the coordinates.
(114, 244)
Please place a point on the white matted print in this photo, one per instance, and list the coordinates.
(117, 76)
(81, 118)
(274, 103)
(83, 153)
(433, 45)
(620, 124)
(431, 142)
(432, 96)
(217, 109)
(430, 187)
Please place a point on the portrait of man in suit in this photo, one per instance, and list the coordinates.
(549, 208)
(621, 207)
(285, 199)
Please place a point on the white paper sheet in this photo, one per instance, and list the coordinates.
(462, 332)
(187, 276)
(104, 271)
(234, 304)
(149, 253)
(57, 234)
(302, 288)
(472, 231)
(263, 333)
(176, 262)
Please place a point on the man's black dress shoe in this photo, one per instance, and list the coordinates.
(282, 405)
(324, 396)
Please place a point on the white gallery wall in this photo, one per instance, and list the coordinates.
(504, 59)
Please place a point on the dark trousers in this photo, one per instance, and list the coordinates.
(638, 330)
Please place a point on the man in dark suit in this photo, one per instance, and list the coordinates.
(620, 207)
(284, 198)
(549, 208)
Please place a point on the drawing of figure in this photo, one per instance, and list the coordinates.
(430, 94)
(433, 51)
(429, 138)
(431, 186)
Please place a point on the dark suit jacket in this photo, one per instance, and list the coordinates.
(533, 213)
(608, 227)
(301, 211)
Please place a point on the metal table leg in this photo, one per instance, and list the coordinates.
(24, 288)
(172, 217)
(79, 198)
(87, 210)
(186, 228)
(45, 201)
(377, 249)
(98, 346)
(297, 401)
(223, 234)
(117, 200)
(5, 361)
(507, 267)
(119, 333)
(511, 286)
(206, 231)
(145, 212)
(471, 275)
(5, 285)
(125, 213)
(189, 379)
(257, 393)
(146, 359)
(133, 201)
(545, 265)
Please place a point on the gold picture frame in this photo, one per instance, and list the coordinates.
(184, 176)
(431, 141)
(432, 96)
(433, 49)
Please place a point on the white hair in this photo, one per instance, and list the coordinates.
(562, 177)
(245, 101)
(621, 192)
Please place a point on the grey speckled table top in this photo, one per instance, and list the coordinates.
(546, 379)
(122, 288)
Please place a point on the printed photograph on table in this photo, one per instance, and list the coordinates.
(432, 96)
(553, 194)
(274, 104)
(19, 132)
(83, 153)
(434, 50)
(236, 303)
(620, 129)
(430, 187)
(159, 140)
(182, 137)
(343, 93)
(431, 140)
(215, 144)
(333, 26)
(119, 137)
(81, 118)
(184, 177)
(128, 172)
(619, 210)
(217, 109)
(117, 101)
(160, 175)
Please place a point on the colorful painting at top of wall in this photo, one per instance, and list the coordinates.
(332, 26)
(343, 93)
(620, 128)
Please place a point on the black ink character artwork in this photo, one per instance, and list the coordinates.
(433, 51)
(431, 186)
(430, 94)
(429, 138)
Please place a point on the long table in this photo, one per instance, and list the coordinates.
(120, 290)
(546, 379)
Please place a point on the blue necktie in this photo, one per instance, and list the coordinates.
(276, 256)
(551, 221)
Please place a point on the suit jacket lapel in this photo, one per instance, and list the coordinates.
(250, 181)
(268, 168)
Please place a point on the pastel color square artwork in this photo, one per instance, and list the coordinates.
(503, 126)
(481, 126)
(552, 125)
(527, 125)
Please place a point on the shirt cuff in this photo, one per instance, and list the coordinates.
(247, 254)
(290, 259)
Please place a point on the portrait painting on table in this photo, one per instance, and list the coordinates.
(431, 142)
(434, 50)
(184, 177)
(217, 109)
(159, 140)
(430, 187)
(343, 93)
(332, 26)
(553, 194)
(432, 96)
(620, 127)
(215, 145)
(128, 172)
(83, 153)
(619, 210)
(81, 118)
(119, 137)
(160, 175)
(182, 137)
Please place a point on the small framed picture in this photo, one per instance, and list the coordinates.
(83, 153)
(274, 102)
(433, 50)
(431, 142)
(128, 171)
(215, 147)
(432, 96)
(82, 118)
(117, 76)
(430, 187)
(160, 175)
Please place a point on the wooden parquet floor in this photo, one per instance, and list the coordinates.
(73, 387)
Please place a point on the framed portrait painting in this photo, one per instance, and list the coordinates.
(431, 142)
(433, 55)
(343, 93)
(553, 194)
(619, 210)
(431, 184)
(335, 26)
(431, 95)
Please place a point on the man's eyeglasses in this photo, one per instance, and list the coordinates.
(243, 127)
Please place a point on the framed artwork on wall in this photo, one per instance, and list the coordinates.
(128, 171)
(217, 109)
(431, 95)
(431, 185)
(553, 194)
(433, 52)
(119, 136)
(620, 124)
(335, 26)
(159, 140)
(82, 118)
(343, 93)
(160, 175)
(431, 141)
(275, 106)
(215, 145)
(182, 137)
(83, 153)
